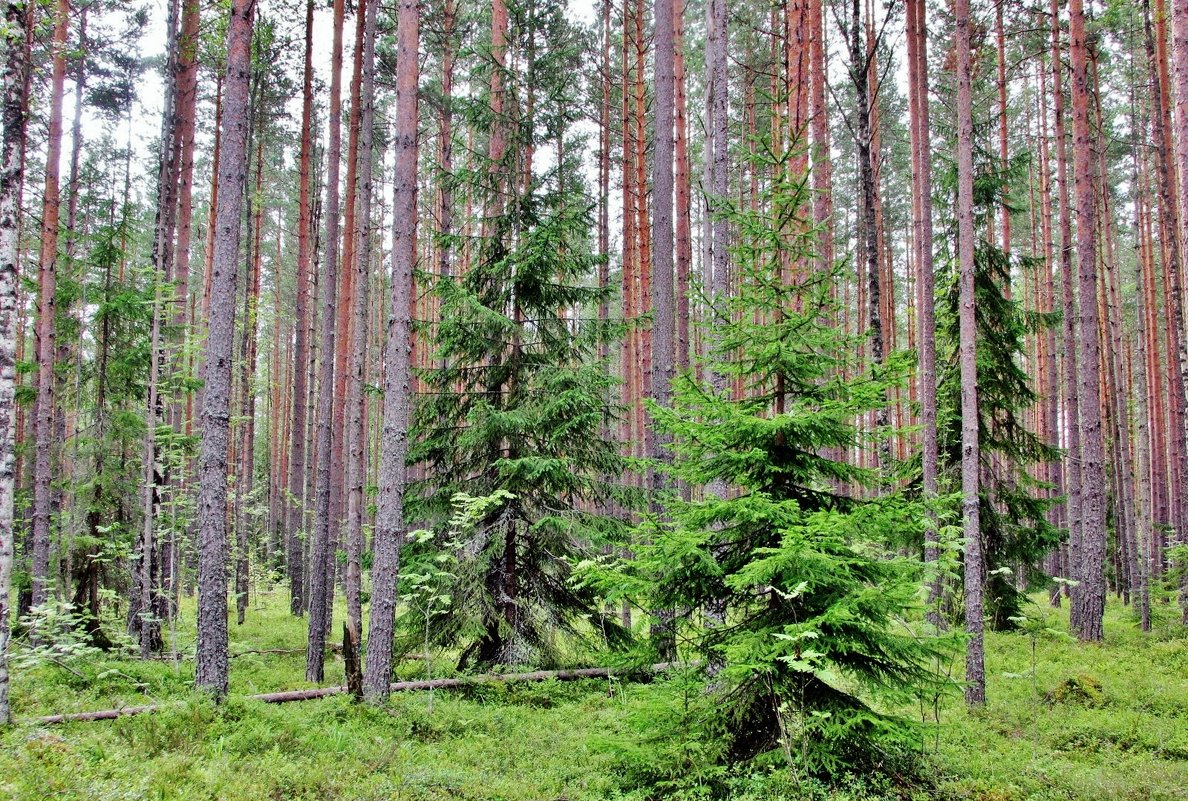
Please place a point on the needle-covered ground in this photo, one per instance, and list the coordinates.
(1092, 722)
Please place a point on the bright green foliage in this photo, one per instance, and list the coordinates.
(805, 638)
(517, 406)
(1016, 530)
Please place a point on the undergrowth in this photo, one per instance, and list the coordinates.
(1071, 722)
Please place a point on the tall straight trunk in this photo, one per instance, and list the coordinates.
(445, 142)
(975, 670)
(67, 419)
(663, 318)
(861, 60)
(1144, 507)
(389, 528)
(822, 169)
(245, 480)
(1000, 41)
(145, 624)
(629, 354)
(683, 233)
(279, 362)
(1072, 426)
(356, 435)
(1051, 396)
(643, 233)
(321, 556)
(212, 214)
(498, 143)
(604, 140)
(917, 46)
(344, 321)
(718, 156)
(211, 664)
(12, 147)
(294, 536)
(1089, 594)
(43, 419)
(186, 89)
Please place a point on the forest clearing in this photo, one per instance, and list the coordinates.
(576, 399)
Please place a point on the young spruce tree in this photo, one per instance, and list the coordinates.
(809, 640)
(517, 404)
(1016, 532)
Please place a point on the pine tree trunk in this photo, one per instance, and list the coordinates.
(356, 435)
(663, 318)
(861, 59)
(211, 664)
(294, 536)
(145, 623)
(43, 418)
(389, 531)
(321, 555)
(917, 47)
(245, 479)
(975, 671)
(1072, 444)
(1089, 595)
(683, 232)
(1144, 514)
(445, 142)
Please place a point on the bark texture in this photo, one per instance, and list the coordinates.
(1089, 594)
(12, 147)
(975, 671)
(211, 667)
(389, 525)
(43, 416)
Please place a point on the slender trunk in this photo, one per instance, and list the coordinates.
(922, 239)
(1144, 534)
(321, 574)
(356, 435)
(975, 671)
(211, 664)
(294, 536)
(43, 418)
(245, 480)
(663, 319)
(445, 143)
(1072, 428)
(344, 322)
(684, 235)
(12, 147)
(389, 531)
(861, 60)
(146, 624)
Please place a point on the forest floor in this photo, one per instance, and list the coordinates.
(587, 740)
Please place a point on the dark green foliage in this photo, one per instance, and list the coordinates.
(804, 639)
(517, 405)
(1016, 531)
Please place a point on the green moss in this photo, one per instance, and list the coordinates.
(1082, 689)
(580, 742)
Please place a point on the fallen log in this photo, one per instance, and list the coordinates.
(285, 696)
